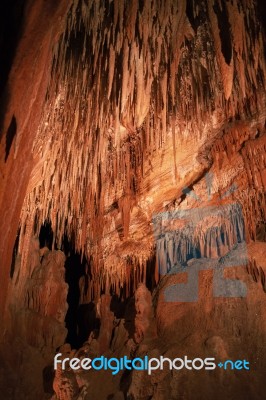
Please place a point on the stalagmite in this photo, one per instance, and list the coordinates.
(144, 322)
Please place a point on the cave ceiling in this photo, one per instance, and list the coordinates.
(138, 100)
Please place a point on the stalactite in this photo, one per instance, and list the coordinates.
(124, 77)
(257, 273)
(206, 233)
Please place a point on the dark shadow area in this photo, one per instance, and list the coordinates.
(261, 231)
(87, 322)
(10, 134)
(125, 382)
(46, 235)
(11, 18)
(261, 13)
(118, 306)
(193, 252)
(48, 375)
(75, 269)
(195, 21)
(151, 273)
(130, 315)
(14, 255)
(224, 30)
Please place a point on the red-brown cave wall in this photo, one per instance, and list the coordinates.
(117, 115)
(23, 102)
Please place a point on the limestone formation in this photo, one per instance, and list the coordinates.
(132, 138)
(144, 321)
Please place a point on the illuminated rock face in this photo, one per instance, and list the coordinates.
(117, 112)
(142, 100)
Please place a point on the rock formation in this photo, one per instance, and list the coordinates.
(144, 321)
(135, 130)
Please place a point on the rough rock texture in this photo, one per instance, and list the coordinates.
(34, 325)
(21, 109)
(144, 320)
(118, 118)
(149, 97)
(211, 326)
(107, 318)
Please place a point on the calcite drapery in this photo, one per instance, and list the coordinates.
(139, 98)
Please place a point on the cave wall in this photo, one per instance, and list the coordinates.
(114, 112)
(21, 109)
